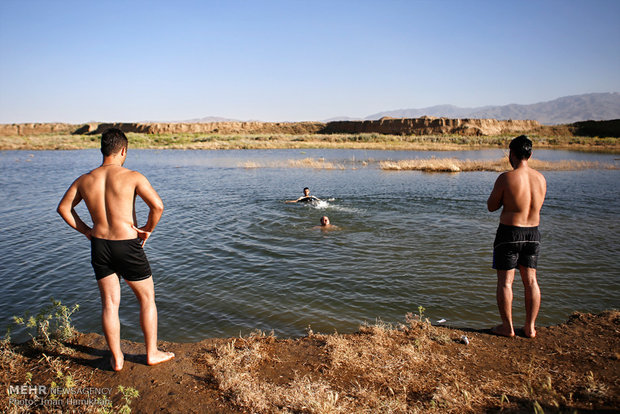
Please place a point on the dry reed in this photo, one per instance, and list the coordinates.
(456, 165)
(319, 164)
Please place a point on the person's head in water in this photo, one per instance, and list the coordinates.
(306, 191)
(520, 149)
(112, 141)
(324, 221)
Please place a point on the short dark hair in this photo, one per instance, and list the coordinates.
(521, 147)
(112, 141)
(306, 188)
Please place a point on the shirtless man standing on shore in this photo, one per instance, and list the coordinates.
(109, 192)
(521, 192)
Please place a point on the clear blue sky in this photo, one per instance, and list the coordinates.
(79, 61)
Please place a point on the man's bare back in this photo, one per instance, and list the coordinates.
(109, 193)
(521, 192)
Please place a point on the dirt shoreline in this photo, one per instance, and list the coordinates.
(414, 367)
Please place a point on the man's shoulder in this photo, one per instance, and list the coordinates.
(130, 173)
(503, 177)
(537, 173)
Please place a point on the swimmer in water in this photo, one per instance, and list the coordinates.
(306, 198)
(326, 225)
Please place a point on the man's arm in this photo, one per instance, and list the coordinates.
(66, 209)
(495, 200)
(295, 201)
(156, 207)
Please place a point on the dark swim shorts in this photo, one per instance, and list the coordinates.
(126, 258)
(515, 246)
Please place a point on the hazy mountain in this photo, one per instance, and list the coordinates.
(565, 110)
(208, 119)
(342, 118)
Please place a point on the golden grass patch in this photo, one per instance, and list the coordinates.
(319, 164)
(456, 165)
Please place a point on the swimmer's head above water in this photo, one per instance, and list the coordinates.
(304, 198)
(326, 224)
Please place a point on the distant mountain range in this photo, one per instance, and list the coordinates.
(565, 110)
(208, 119)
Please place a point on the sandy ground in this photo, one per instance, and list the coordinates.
(414, 367)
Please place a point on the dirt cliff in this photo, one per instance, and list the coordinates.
(433, 126)
(209, 128)
(37, 129)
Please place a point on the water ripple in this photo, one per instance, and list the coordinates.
(230, 256)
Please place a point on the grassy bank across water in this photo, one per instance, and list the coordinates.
(282, 141)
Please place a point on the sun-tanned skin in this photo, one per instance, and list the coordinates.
(521, 192)
(109, 193)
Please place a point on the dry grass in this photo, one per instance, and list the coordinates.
(431, 165)
(456, 165)
(319, 164)
(304, 141)
(408, 368)
(235, 367)
(386, 364)
(312, 163)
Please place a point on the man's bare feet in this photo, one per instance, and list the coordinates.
(158, 357)
(116, 365)
(501, 331)
(529, 333)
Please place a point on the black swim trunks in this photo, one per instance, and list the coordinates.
(515, 246)
(126, 258)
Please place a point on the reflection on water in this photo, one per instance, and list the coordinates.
(230, 256)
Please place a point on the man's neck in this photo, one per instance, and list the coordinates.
(520, 164)
(107, 161)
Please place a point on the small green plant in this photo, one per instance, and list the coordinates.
(504, 399)
(7, 337)
(128, 394)
(6, 349)
(417, 319)
(52, 324)
(105, 405)
(538, 408)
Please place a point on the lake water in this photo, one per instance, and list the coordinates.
(229, 256)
